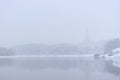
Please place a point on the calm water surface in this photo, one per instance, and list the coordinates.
(52, 68)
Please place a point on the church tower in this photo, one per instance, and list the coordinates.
(87, 43)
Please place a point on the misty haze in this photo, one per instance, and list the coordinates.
(59, 40)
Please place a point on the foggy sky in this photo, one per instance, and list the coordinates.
(57, 21)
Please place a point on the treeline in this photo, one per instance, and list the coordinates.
(111, 45)
(39, 49)
(62, 49)
(6, 52)
(59, 49)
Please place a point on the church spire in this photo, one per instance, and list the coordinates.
(87, 36)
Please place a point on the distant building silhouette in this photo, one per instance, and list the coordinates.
(87, 43)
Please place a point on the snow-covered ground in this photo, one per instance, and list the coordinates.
(114, 57)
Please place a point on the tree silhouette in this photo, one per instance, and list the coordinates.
(112, 44)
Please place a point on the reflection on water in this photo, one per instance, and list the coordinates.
(57, 69)
(6, 62)
(109, 67)
(58, 63)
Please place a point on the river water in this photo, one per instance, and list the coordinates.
(58, 68)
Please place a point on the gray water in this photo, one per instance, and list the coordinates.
(63, 68)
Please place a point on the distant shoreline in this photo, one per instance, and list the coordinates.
(20, 56)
